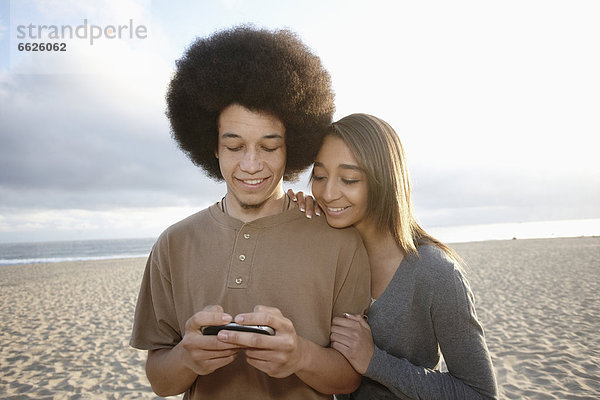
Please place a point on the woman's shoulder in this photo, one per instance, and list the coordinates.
(435, 265)
(434, 257)
(443, 275)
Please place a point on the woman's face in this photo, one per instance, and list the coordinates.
(339, 185)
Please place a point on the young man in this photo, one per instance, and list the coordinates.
(250, 107)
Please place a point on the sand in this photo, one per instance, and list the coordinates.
(539, 302)
(65, 331)
(65, 327)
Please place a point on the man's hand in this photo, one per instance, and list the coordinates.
(278, 356)
(205, 354)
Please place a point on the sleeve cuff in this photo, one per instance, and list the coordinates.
(377, 362)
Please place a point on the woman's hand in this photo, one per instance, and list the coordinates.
(352, 337)
(306, 203)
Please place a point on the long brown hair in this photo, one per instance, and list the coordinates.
(381, 156)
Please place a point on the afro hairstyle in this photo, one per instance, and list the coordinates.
(265, 71)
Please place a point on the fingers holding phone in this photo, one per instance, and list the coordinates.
(232, 326)
(279, 355)
(205, 354)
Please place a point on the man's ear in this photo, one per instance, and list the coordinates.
(216, 154)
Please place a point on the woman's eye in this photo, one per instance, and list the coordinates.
(234, 148)
(270, 149)
(317, 177)
(350, 181)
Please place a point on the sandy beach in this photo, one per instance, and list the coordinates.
(539, 302)
(65, 326)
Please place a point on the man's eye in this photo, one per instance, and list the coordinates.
(234, 148)
(270, 149)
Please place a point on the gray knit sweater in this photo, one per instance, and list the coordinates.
(427, 307)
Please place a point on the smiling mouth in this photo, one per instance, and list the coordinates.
(252, 182)
(337, 209)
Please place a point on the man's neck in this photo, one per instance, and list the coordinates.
(276, 204)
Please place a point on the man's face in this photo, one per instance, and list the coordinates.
(252, 156)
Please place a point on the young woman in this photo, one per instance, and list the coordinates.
(422, 304)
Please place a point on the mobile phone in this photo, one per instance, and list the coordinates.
(214, 329)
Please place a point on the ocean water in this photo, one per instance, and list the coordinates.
(45, 252)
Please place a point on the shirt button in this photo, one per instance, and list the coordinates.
(246, 236)
(242, 257)
(239, 281)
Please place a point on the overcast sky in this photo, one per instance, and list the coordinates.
(497, 104)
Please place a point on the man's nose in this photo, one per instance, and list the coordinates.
(251, 163)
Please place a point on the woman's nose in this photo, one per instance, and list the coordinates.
(331, 191)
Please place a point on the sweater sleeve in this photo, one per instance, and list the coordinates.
(460, 336)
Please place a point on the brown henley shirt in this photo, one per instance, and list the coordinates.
(308, 270)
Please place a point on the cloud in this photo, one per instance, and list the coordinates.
(103, 11)
(3, 28)
(484, 194)
(39, 224)
(86, 129)
(122, 52)
(498, 126)
(232, 4)
(78, 141)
